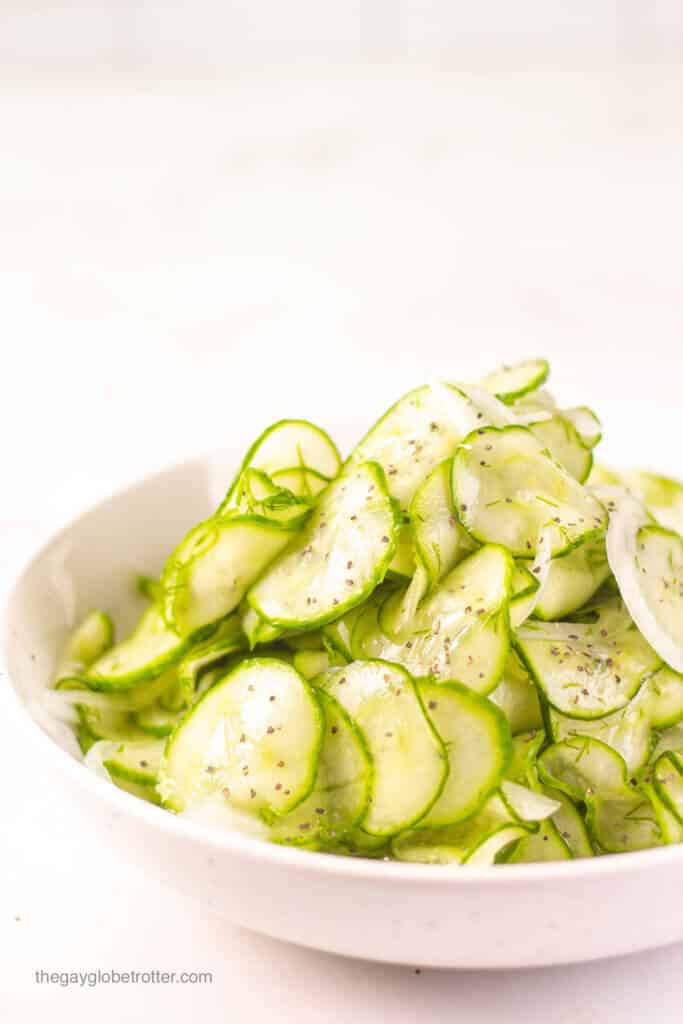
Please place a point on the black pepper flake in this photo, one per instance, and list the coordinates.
(432, 704)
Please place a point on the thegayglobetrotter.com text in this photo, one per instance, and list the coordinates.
(90, 979)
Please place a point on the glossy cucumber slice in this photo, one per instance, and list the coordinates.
(507, 489)
(338, 559)
(477, 740)
(306, 483)
(343, 784)
(151, 649)
(440, 542)
(573, 578)
(647, 562)
(627, 731)
(88, 642)
(462, 630)
(587, 670)
(558, 434)
(286, 445)
(517, 697)
(210, 571)
(662, 496)
(415, 435)
(586, 424)
(254, 737)
(227, 641)
(547, 844)
(512, 382)
(570, 824)
(664, 698)
(258, 495)
(668, 782)
(136, 761)
(383, 702)
(477, 841)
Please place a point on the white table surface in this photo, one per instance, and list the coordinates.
(183, 260)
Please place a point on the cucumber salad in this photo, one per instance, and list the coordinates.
(463, 644)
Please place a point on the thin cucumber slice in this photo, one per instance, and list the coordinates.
(587, 670)
(383, 702)
(135, 761)
(562, 440)
(257, 495)
(305, 483)
(462, 630)
(507, 488)
(415, 435)
(367, 639)
(665, 698)
(647, 562)
(627, 730)
(157, 721)
(254, 737)
(525, 748)
(88, 642)
(662, 495)
(440, 542)
(669, 739)
(256, 630)
(585, 423)
(343, 785)
(339, 632)
(669, 825)
(227, 641)
(525, 803)
(570, 825)
(545, 845)
(517, 697)
(478, 841)
(338, 559)
(402, 564)
(478, 743)
(573, 578)
(311, 663)
(149, 651)
(524, 594)
(210, 571)
(149, 588)
(619, 816)
(668, 782)
(108, 723)
(285, 445)
(512, 382)
(105, 750)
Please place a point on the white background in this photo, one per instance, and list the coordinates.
(208, 222)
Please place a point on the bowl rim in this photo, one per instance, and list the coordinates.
(291, 857)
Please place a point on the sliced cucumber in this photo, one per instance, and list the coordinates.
(148, 652)
(665, 698)
(306, 483)
(254, 737)
(477, 841)
(647, 562)
(517, 697)
(311, 663)
(668, 781)
(669, 739)
(570, 824)
(402, 565)
(338, 559)
(440, 541)
(669, 825)
(507, 488)
(545, 845)
(564, 443)
(478, 743)
(587, 670)
(149, 588)
(286, 445)
(573, 578)
(525, 587)
(135, 761)
(627, 730)
(525, 748)
(210, 571)
(343, 785)
(227, 641)
(586, 424)
(462, 630)
(88, 642)
(258, 495)
(512, 382)
(414, 435)
(662, 495)
(384, 703)
(157, 721)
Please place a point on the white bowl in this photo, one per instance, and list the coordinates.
(504, 916)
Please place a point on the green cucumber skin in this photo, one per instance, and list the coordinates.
(382, 565)
(534, 382)
(253, 449)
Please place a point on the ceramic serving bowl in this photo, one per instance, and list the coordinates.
(504, 916)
